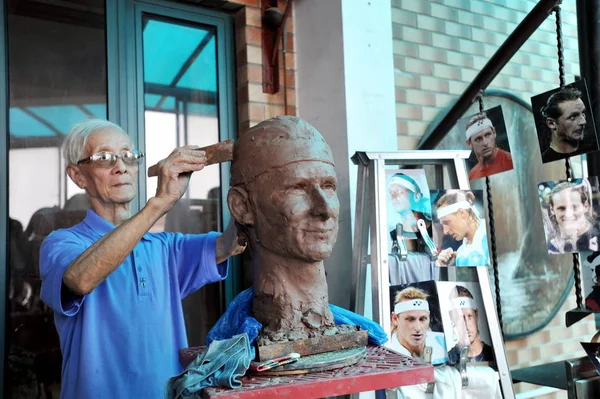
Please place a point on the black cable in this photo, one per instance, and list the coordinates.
(493, 236)
(568, 169)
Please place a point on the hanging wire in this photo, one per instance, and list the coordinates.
(568, 168)
(488, 187)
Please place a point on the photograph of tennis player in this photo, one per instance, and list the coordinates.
(416, 322)
(407, 200)
(459, 228)
(564, 122)
(570, 214)
(485, 134)
(465, 321)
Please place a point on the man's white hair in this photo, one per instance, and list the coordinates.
(76, 140)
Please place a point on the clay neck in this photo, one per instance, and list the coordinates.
(297, 274)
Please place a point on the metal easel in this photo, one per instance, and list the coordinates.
(371, 228)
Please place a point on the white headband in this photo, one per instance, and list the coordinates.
(478, 127)
(414, 304)
(464, 302)
(404, 183)
(448, 209)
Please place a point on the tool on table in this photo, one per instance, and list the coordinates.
(216, 153)
(280, 361)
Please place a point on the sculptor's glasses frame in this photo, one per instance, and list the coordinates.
(109, 159)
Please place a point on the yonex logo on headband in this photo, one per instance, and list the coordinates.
(478, 127)
(414, 304)
(464, 303)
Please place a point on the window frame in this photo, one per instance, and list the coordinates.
(125, 80)
(4, 184)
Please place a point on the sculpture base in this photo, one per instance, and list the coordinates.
(317, 363)
(321, 344)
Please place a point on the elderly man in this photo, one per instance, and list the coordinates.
(116, 289)
(481, 138)
(284, 194)
(565, 117)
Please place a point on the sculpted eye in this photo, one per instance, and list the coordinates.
(330, 186)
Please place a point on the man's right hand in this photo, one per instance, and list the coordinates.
(446, 258)
(174, 173)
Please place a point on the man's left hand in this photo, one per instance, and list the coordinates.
(231, 242)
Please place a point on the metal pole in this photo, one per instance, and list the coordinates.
(588, 14)
(513, 43)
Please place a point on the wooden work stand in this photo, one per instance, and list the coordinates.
(381, 369)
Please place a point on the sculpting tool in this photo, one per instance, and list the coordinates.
(216, 153)
(280, 361)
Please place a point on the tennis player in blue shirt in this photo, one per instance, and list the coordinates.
(115, 288)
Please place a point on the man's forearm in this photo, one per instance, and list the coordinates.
(93, 266)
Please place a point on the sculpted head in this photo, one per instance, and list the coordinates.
(284, 189)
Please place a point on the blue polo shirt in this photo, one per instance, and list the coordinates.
(122, 339)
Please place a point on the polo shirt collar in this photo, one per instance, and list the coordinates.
(101, 226)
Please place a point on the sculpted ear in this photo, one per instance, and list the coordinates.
(76, 175)
(239, 206)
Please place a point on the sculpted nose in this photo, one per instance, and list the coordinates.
(323, 205)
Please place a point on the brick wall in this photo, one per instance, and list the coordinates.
(439, 47)
(254, 105)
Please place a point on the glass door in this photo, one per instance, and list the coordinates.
(184, 86)
(56, 77)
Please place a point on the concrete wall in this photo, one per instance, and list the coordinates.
(346, 90)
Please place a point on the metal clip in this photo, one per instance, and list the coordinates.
(462, 365)
(429, 245)
(400, 242)
(427, 354)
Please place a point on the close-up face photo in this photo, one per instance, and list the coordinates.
(483, 143)
(415, 321)
(412, 327)
(459, 228)
(485, 134)
(570, 125)
(569, 214)
(564, 124)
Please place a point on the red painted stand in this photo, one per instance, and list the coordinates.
(381, 369)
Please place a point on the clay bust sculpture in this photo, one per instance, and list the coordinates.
(284, 195)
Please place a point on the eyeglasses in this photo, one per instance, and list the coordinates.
(108, 159)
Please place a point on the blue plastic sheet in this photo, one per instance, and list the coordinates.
(238, 319)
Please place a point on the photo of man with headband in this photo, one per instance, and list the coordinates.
(481, 137)
(412, 317)
(464, 316)
(459, 231)
(408, 202)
